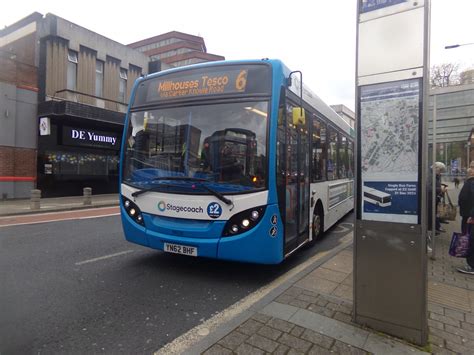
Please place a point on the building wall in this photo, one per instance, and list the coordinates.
(18, 105)
(176, 49)
(17, 60)
(346, 113)
(111, 85)
(18, 139)
(56, 66)
(86, 74)
(133, 74)
(60, 35)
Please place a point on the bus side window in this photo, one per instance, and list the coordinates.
(342, 156)
(317, 152)
(323, 151)
(350, 159)
(332, 163)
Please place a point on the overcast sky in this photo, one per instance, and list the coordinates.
(314, 36)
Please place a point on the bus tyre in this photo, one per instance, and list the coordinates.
(318, 224)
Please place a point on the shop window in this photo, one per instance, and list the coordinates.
(92, 164)
(65, 163)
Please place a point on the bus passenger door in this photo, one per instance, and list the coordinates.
(296, 183)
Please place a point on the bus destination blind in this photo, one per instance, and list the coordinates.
(202, 84)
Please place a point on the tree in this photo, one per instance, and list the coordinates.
(446, 74)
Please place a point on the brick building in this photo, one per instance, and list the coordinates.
(61, 86)
(175, 49)
(18, 106)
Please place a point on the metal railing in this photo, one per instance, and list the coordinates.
(88, 99)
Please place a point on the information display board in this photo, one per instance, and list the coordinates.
(389, 126)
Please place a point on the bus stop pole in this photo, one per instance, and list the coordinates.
(433, 184)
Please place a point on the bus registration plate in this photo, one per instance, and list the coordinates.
(180, 249)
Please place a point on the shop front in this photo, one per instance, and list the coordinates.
(74, 153)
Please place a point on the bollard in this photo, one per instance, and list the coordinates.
(35, 198)
(87, 195)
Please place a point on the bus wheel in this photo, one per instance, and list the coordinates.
(318, 223)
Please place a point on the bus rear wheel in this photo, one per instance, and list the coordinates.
(318, 223)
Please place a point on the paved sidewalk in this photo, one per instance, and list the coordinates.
(312, 314)
(22, 206)
(450, 299)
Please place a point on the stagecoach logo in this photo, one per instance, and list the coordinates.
(162, 206)
(214, 210)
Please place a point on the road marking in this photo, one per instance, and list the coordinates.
(186, 341)
(103, 257)
(58, 220)
(102, 215)
(60, 212)
(343, 228)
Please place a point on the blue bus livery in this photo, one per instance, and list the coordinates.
(232, 160)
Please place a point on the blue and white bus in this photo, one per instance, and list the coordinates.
(233, 160)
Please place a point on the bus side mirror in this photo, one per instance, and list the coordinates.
(299, 116)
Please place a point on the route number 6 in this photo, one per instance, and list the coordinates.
(241, 80)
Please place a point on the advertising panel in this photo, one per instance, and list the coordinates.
(390, 119)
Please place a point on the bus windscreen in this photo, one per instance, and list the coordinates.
(205, 82)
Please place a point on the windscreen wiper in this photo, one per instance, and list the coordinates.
(185, 178)
(154, 188)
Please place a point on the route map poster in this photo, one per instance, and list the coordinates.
(390, 119)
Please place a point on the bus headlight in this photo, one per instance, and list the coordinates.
(254, 215)
(133, 211)
(243, 221)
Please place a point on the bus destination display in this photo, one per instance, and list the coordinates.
(203, 84)
(214, 81)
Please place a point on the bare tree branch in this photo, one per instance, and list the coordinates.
(446, 74)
